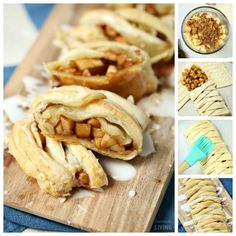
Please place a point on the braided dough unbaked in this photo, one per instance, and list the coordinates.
(220, 160)
(208, 100)
(206, 209)
(216, 72)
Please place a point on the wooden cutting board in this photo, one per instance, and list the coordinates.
(185, 217)
(113, 209)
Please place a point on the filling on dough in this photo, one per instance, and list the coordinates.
(111, 63)
(193, 77)
(103, 134)
(205, 32)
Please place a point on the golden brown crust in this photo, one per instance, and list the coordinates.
(79, 104)
(205, 204)
(57, 167)
(129, 72)
(130, 33)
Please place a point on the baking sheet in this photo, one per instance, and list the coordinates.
(223, 126)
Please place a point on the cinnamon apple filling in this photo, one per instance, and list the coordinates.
(97, 131)
(111, 62)
(151, 9)
(112, 34)
(82, 178)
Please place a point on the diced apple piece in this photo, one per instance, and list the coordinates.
(82, 130)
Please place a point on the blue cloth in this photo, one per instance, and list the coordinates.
(227, 183)
(17, 221)
(164, 221)
(7, 72)
(38, 13)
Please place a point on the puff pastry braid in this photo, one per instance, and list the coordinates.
(123, 69)
(70, 37)
(118, 29)
(220, 160)
(159, 10)
(57, 166)
(206, 209)
(99, 120)
(153, 25)
(208, 100)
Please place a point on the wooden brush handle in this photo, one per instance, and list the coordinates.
(183, 167)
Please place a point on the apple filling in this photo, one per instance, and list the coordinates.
(112, 62)
(112, 34)
(82, 178)
(103, 134)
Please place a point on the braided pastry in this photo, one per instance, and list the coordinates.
(220, 160)
(120, 68)
(99, 120)
(216, 72)
(208, 100)
(57, 166)
(119, 29)
(205, 206)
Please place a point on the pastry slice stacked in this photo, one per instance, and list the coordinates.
(120, 68)
(134, 25)
(115, 48)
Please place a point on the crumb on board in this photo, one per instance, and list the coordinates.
(132, 193)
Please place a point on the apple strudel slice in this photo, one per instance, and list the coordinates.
(99, 120)
(57, 166)
(123, 69)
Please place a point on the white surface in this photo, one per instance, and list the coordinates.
(118, 169)
(19, 33)
(159, 104)
(227, 93)
(226, 51)
(225, 129)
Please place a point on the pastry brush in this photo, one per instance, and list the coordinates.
(199, 150)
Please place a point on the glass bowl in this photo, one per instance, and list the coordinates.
(212, 12)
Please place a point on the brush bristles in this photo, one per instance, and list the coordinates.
(204, 144)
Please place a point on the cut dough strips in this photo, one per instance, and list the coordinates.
(183, 95)
(220, 160)
(206, 210)
(208, 100)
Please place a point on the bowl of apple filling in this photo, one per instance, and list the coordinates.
(205, 30)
